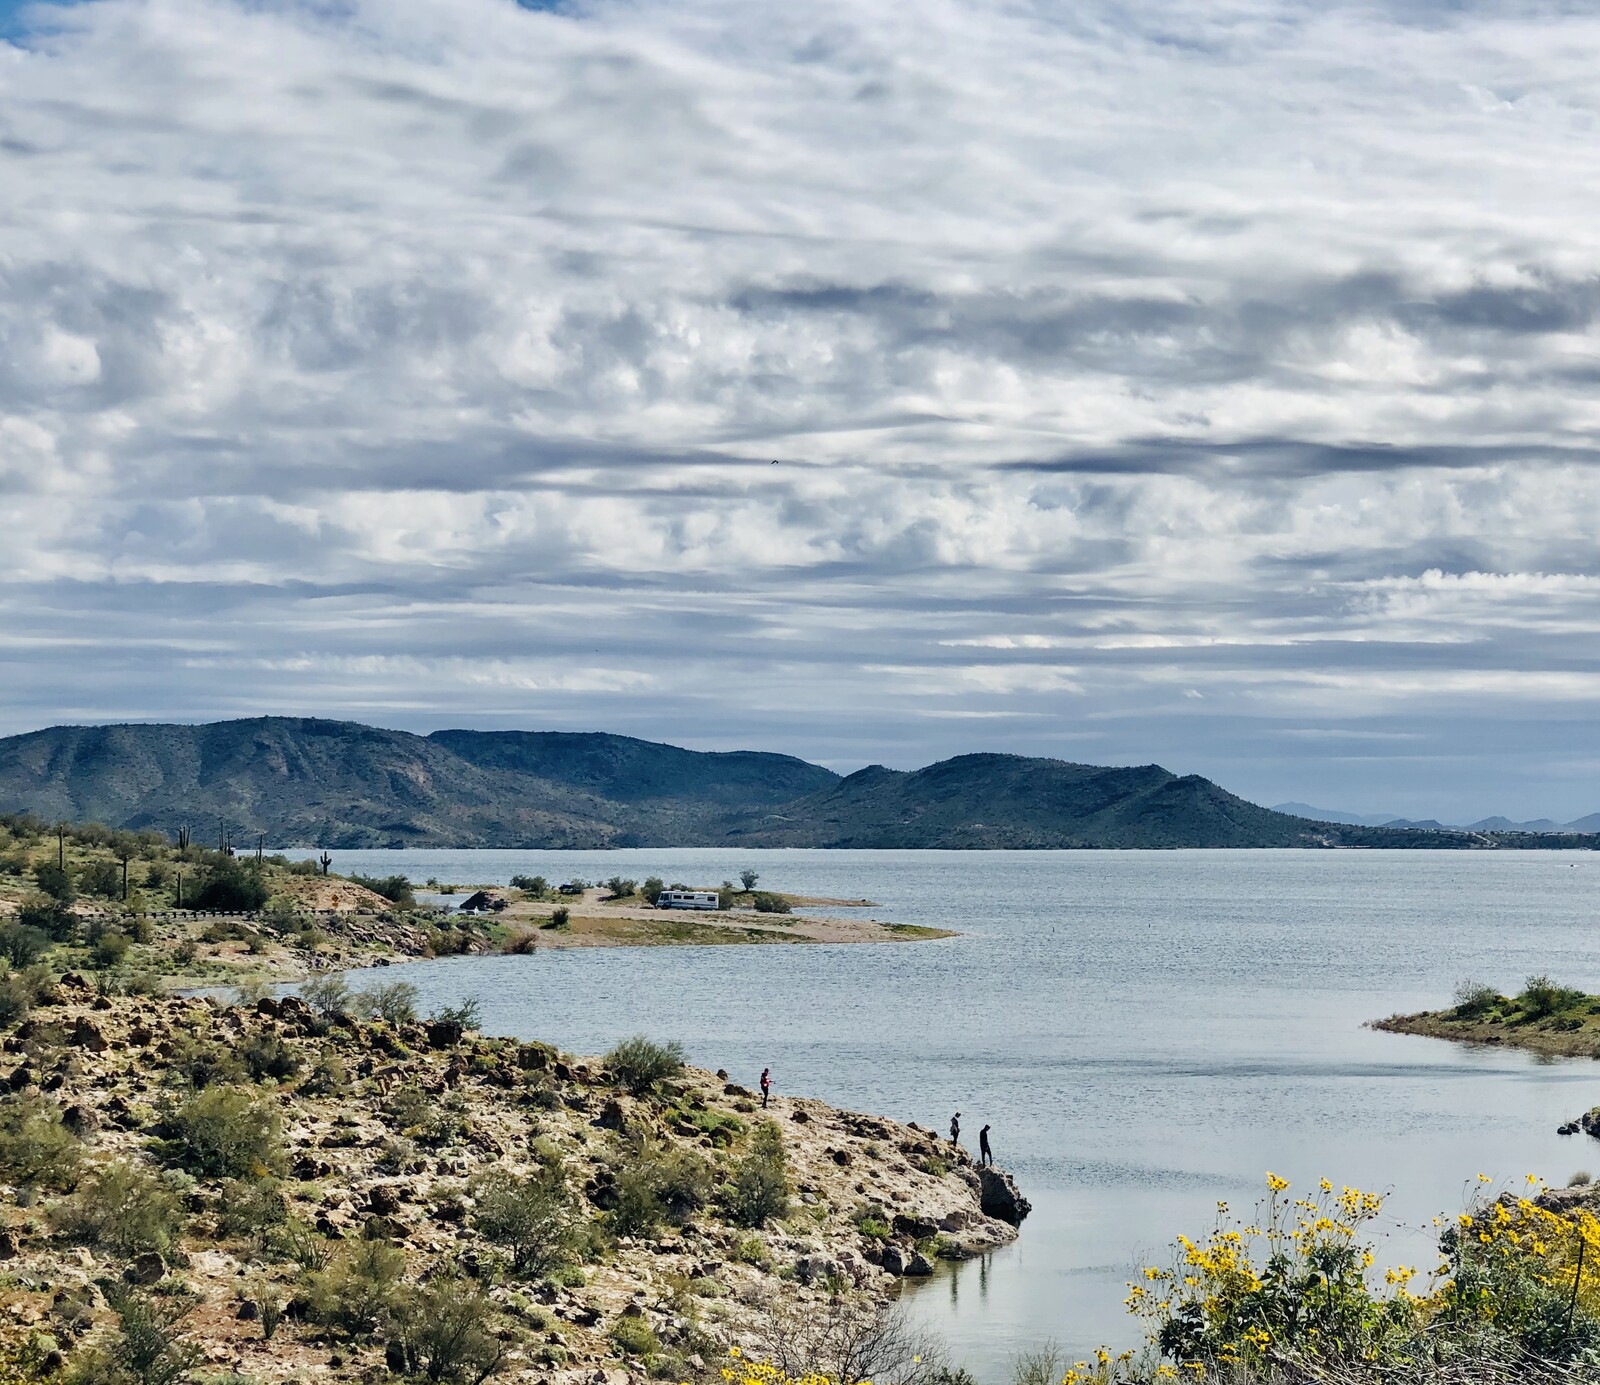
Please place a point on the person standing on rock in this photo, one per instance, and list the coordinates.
(955, 1129)
(766, 1087)
(985, 1154)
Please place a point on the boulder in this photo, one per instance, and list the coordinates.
(86, 1034)
(918, 1266)
(1000, 1198)
(893, 1259)
(443, 1033)
(80, 1120)
(384, 1200)
(145, 1269)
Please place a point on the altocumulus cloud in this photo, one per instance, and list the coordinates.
(1204, 382)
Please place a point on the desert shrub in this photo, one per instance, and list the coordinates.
(328, 1075)
(634, 1337)
(560, 917)
(185, 952)
(766, 903)
(102, 878)
(140, 929)
(157, 874)
(443, 1331)
(467, 1014)
(49, 916)
(327, 995)
(36, 1150)
(650, 891)
(620, 888)
(394, 1003)
(110, 950)
(22, 944)
(54, 880)
(395, 888)
(123, 1208)
(535, 885)
(149, 1346)
(639, 1063)
(226, 1132)
(202, 1064)
(292, 1239)
(251, 1206)
(653, 1184)
(270, 1302)
(1542, 996)
(231, 887)
(758, 1191)
(16, 999)
(358, 1289)
(533, 1216)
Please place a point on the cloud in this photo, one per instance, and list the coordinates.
(428, 361)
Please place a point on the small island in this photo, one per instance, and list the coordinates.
(1544, 1017)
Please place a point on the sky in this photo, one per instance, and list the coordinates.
(1211, 384)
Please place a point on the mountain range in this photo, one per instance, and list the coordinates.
(311, 782)
(1590, 823)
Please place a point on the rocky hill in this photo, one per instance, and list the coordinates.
(307, 782)
(280, 1192)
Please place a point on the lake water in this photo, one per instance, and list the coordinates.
(1147, 1033)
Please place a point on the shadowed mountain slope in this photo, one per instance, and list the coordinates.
(310, 782)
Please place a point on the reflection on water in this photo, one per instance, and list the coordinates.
(1147, 1033)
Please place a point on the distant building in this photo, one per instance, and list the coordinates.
(687, 899)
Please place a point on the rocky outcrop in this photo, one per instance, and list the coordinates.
(999, 1197)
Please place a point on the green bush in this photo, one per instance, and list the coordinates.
(394, 1003)
(203, 1064)
(560, 917)
(759, 1190)
(1542, 996)
(22, 944)
(231, 887)
(533, 1216)
(634, 1337)
(639, 1063)
(650, 891)
(467, 1014)
(770, 903)
(534, 885)
(149, 1346)
(443, 1331)
(36, 1150)
(102, 878)
(653, 1184)
(110, 951)
(395, 888)
(358, 1290)
(251, 1206)
(123, 1208)
(50, 916)
(226, 1132)
(54, 881)
(620, 888)
(267, 1055)
(327, 995)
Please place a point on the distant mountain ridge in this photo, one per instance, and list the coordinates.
(1589, 823)
(314, 782)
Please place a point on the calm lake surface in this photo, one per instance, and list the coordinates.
(1147, 1033)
